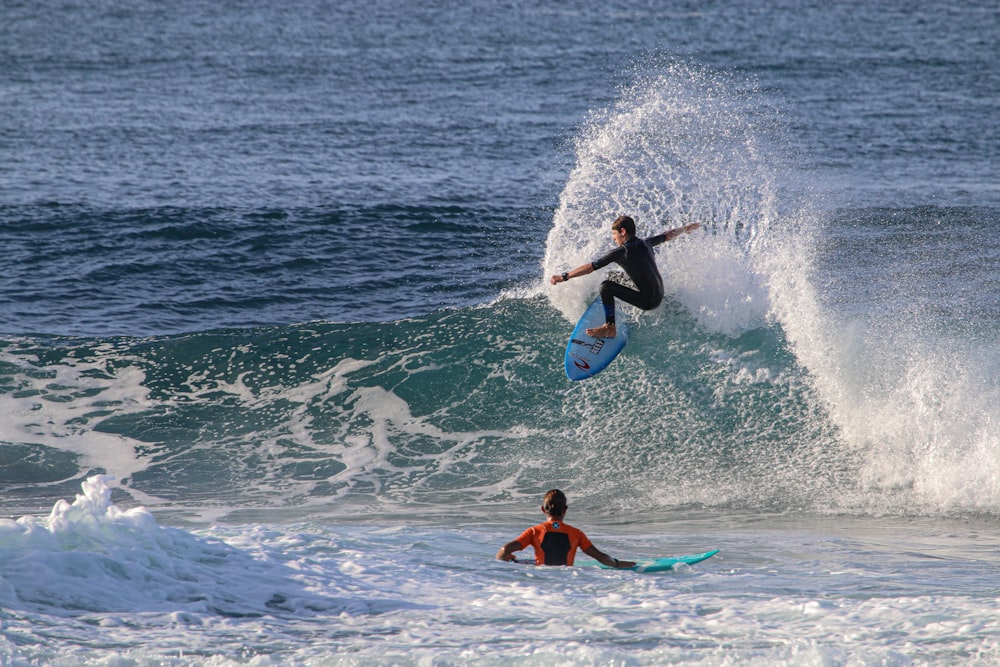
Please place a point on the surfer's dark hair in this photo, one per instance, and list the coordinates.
(554, 503)
(626, 223)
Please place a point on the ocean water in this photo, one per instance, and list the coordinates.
(280, 367)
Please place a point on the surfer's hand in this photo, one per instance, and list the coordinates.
(506, 552)
(555, 280)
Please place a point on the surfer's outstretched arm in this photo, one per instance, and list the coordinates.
(581, 270)
(605, 559)
(507, 551)
(686, 229)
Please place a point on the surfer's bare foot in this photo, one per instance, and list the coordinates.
(605, 331)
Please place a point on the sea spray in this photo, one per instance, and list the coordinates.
(909, 379)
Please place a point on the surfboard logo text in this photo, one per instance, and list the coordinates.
(594, 347)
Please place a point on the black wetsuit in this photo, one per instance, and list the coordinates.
(635, 256)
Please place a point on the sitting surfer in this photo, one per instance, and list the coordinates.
(635, 256)
(555, 542)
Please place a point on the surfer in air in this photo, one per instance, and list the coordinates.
(635, 256)
(555, 542)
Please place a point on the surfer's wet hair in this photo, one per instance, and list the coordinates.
(624, 222)
(554, 503)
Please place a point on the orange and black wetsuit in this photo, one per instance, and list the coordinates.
(555, 542)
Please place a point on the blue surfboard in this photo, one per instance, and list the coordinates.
(587, 356)
(669, 563)
(647, 565)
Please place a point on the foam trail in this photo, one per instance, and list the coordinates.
(60, 399)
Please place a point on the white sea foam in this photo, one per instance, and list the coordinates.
(57, 404)
(96, 585)
(917, 406)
